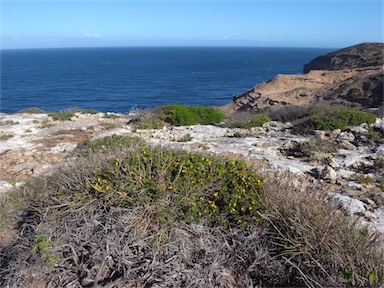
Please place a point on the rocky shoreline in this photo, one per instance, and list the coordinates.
(33, 144)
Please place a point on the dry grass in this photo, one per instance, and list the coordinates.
(303, 240)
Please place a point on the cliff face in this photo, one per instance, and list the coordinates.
(361, 55)
(352, 76)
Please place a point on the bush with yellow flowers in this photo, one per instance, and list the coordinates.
(180, 185)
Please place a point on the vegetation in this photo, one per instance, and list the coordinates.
(61, 116)
(246, 120)
(125, 211)
(312, 148)
(331, 118)
(181, 115)
(32, 110)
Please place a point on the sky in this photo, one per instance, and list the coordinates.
(255, 23)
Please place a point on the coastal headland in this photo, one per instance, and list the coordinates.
(344, 165)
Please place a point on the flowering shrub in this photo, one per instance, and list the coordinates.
(181, 185)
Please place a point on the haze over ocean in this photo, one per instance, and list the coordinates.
(119, 79)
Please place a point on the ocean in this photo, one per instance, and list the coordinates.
(122, 79)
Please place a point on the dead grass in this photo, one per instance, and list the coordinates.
(302, 241)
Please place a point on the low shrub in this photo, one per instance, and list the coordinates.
(320, 245)
(61, 116)
(311, 148)
(246, 120)
(181, 115)
(196, 186)
(147, 119)
(287, 113)
(125, 212)
(375, 135)
(32, 110)
(331, 118)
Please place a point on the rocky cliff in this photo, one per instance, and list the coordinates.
(352, 76)
(361, 55)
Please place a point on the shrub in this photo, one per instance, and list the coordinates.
(181, 115)
(126, 212)
(311, 148)
(374, 135)
(196, 186)
(148, 119)
(61, 116)
(246, 120)
(331, 118)
(32, 110)
(320, 245)
(287, 113)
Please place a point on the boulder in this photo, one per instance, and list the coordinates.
(328, 173)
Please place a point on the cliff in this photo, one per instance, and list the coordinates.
(357, 56)
(352, 77)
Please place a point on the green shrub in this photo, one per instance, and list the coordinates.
(374, 135)
(182, 185)
(181, 115)
(259, 119)
(361, 178)
(61, 116)
(148, 119)
(331, 118)
(109, 144)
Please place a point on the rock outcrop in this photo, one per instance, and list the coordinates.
(353, 77)
(358, 56)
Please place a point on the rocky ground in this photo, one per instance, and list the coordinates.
(32, 144)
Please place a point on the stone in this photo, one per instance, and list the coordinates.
(348, 136)
(347, 145)
(351, 206)
(379, 125)
(358, 130)
(320, 134)
(370, 215)
(354, 185)
(328, 173)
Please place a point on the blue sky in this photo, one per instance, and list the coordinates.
(279, 23)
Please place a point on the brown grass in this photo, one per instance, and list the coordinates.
(302, 241)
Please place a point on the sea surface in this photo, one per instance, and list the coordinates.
(121, 79)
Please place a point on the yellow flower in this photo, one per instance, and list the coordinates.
(216, 194)
(201, 197)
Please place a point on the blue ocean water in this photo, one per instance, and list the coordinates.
(119, 79)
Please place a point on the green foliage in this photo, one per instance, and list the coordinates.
(43, 247)
(6, 137)
(181, 185)
(246, 120)
(311, 148)
(107, 144)
(61, 116)
(181, 115)
(379, 164)
(361, 178)
(259, 119)
(374, 135)
(331, 118)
